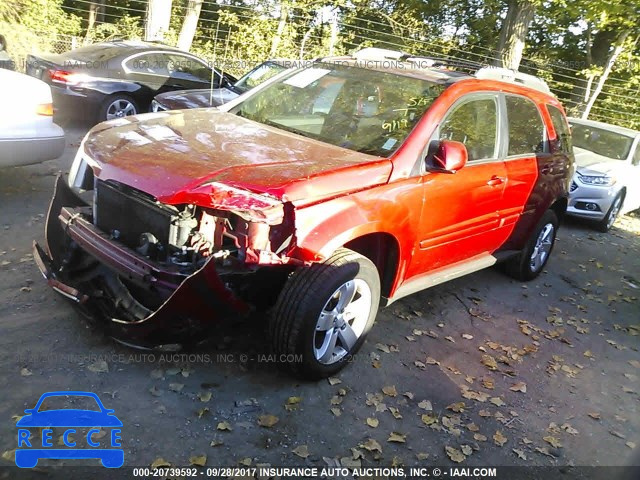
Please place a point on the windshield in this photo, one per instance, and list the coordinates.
(600, 141)
(258, 75)
(360, 109)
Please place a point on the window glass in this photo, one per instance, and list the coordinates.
(188, 68)
(361, 109)
(258, 75)
(526, 130)
(149, 63)
(563, 134)
(636, 157)
(473, 123)
(603, 142)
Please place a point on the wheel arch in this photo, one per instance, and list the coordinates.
(383, 249)
(559, 207)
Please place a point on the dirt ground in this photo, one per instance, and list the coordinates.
(483, 370)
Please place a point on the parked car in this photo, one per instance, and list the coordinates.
(414, 176)
(213, 97)
(607, 181)
(117, 79)
(27, 132)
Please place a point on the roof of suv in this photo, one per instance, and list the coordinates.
(605, 126)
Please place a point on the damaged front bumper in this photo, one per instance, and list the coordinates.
(102, 276)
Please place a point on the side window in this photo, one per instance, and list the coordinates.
(636, 156)
(473, 123)
(563, 141)
(189, 68)
(526, 130)
(149, 63)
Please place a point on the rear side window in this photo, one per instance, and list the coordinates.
(149, 63)
(562, 143)
(188, 68)
(526, 130)
(473, 123)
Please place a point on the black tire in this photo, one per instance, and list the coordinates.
(522, 267)
(105, 107)
(609, 219)
(305, 296)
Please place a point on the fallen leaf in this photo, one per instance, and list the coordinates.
(617, 434)
(520, 453)
(429, 419)
(397, 437)
(302, 451)
(634, 363)
(336, 400)
(409, 395)
(519, 387)
(497, 401)
(247, 461)
(472, 427)
(25, 372)
(199, 460)
(159, 463)
(204, 396)
(293, 400)
(450, 338)
(595, 416)
(631, 445)
(488, 383)
(267, 421)
(216, 442)
(390, 391)
(373, 422)
(484, 413)
(432, 361)
(569, 429)
(395, 412)
(499, 438)
(224, 426)
(176, 387)
(479, 437)
(371, 445)
(425, 405)
(334, 380)
(545, 451)
(456, 407)
(489, 362)
(422, 456)
(202, 412)
(466, 449)
(155, 392)
(553, 441)
(382, 348)
(336, 411)
(454, 454)
(99, 366)
(466, 336)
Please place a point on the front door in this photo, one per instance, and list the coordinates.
(460, 218)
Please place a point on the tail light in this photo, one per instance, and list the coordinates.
(45, 109)
(69, 78)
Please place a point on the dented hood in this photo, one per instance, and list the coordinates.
(171, 154)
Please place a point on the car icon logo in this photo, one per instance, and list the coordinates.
(37, 443)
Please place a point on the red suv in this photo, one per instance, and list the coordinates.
(323, 193)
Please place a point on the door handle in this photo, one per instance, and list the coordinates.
(495, 180)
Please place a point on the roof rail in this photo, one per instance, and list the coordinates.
(511, 76)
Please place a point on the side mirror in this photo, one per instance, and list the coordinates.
(448, 157)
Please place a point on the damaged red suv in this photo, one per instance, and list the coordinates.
(325, 192)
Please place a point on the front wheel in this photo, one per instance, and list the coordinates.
(607, 222)
(530, 262)
(324, 312)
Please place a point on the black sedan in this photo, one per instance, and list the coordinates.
(120, 78)
(213, 97)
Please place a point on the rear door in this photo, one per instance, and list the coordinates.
(526, 151)
(460, 215)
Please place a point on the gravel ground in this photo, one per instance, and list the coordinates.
(483, 370)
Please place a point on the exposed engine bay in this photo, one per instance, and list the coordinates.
(186, 236)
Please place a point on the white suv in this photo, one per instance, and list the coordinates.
(607, 178)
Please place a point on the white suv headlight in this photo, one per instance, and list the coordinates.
(602, 180)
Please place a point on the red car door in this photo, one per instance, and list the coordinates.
(460, 218)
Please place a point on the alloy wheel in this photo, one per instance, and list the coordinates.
(120, 108)
(542, 248)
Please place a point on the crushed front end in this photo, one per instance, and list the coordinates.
(163, 274)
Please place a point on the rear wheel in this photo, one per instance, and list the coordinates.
(530, 262)
(324, 313)
(607, 222)
(117, 106)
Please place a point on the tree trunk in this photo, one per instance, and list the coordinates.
(96, 15)
(158, 17)
(284, 13)
(189, 24)
(513, 32)
(605, 74)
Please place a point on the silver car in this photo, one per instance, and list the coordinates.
(607, 178)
